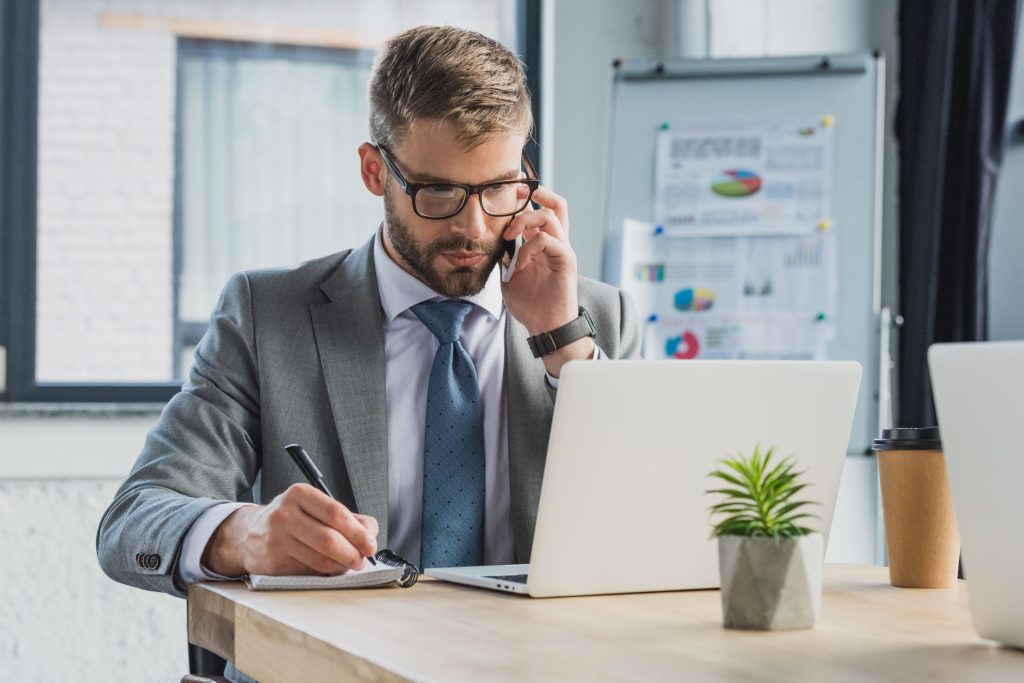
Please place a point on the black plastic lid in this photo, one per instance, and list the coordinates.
(909, 439)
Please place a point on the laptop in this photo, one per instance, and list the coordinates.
(622, 506)
(979, 398)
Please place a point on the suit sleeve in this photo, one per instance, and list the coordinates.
(204, 450)
(617, 331)
(629, 332)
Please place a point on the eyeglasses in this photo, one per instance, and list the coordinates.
(444, 200)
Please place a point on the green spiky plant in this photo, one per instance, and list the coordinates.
(758, 497)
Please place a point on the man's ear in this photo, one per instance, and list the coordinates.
(372, 168)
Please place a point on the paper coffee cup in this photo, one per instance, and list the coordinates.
(920, 527)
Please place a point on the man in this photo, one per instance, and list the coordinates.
(403, 366)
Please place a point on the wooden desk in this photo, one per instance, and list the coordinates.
(436, 631)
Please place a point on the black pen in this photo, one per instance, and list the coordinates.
(312, 474)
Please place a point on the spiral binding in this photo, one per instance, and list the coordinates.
(391, 559)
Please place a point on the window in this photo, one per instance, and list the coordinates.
(178, 143)
(266, 171)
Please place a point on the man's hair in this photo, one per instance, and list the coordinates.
(450, 74)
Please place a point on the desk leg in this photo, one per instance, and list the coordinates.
(211, 621)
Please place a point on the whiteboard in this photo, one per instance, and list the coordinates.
(647, 95)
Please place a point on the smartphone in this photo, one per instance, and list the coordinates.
(511, 250)
(511, 247)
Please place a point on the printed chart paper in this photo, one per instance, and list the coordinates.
(743, 179)
(769, 297)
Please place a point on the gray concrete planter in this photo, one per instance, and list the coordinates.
(768, 585)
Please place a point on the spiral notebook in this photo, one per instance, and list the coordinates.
(391, 570)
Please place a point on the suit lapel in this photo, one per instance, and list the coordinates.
(530, 405)
(349, 333)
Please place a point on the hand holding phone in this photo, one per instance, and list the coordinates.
(512, 252)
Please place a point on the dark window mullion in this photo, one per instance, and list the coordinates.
(5, 244)
(19, 99)
(528, 35)
(100, 393)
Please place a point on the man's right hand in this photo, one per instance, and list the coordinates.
(301, 531)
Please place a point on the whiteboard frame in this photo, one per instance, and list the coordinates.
(859, 75)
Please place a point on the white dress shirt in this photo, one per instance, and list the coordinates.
(409, 349)
(409, 353)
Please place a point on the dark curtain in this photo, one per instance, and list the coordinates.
(956, 58)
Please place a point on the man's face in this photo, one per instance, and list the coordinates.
(453, 256)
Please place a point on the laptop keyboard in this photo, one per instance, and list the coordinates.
(511, 578)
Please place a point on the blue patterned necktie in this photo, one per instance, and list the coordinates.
(452, 533)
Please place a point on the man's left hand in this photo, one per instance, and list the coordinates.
(542, 293)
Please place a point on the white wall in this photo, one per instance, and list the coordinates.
(106, 167)
(581, 38)
(61, 618)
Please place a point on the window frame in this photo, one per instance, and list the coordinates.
(19, 92)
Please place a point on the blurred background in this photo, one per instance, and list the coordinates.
(151, 148)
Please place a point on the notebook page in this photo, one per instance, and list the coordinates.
(364, 578)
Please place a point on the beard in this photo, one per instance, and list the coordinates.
(420, 259)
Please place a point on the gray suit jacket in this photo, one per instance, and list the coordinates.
(297, 355)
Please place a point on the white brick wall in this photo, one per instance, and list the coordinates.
(106, 167)
(106, 145)
(61, 618)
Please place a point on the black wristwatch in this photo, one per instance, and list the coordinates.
(547, 342)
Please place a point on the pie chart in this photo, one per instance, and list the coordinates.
(736, 183)
(683, 347)
(694, 299)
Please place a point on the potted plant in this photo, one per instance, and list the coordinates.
(770, 564)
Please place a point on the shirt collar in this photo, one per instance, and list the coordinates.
(400, 291)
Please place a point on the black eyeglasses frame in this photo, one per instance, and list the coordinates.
(531, 180)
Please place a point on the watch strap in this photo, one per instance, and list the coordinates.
(548, 342)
